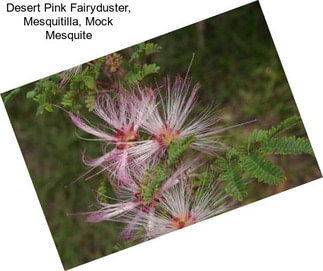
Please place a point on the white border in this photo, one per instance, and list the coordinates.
(35, 57)
(283, 232)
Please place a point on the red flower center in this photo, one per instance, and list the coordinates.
(124, 137)
(183, 221)
(167, 135)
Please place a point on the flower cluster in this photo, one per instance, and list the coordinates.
(146, 132)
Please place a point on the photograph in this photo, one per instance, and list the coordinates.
(161, 135)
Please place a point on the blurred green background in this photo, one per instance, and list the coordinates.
(239, 71)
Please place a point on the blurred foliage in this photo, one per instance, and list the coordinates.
(238, 68)
(240, 166)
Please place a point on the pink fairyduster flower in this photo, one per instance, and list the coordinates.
(180, 206)
(132, 205)
(123, 115)
(171, 122)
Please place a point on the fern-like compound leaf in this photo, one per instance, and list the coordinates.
(287, 145)
(153, 180)
(177, 148)
(151, 48)
(232, 175)
(259, 167)
(257, 136)
(283, 126)
(90, 100)
(68, 99)
(234, 184)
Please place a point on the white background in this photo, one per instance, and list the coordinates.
(283, 232)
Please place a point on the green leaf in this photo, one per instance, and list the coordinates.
(232, 175)
(11, 95)
(90, 100)
(42, 99)
(103, 191)
(68, 98)
(177, 148)
(153, 180)
(89, 82)
(257, 136)
(148, 69)
(48, 107)
(152, 48)
(283, 126)
(287, 145)
(139, 47)
(98, 66)
(138, 50)
(48, 85)
(258, 166)
(76, 82)
(40, 110)
(31, 94)
(56, 79)
(133, 77)
(262, 136)
(234, 184)
(161, 173)
(75, 108)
